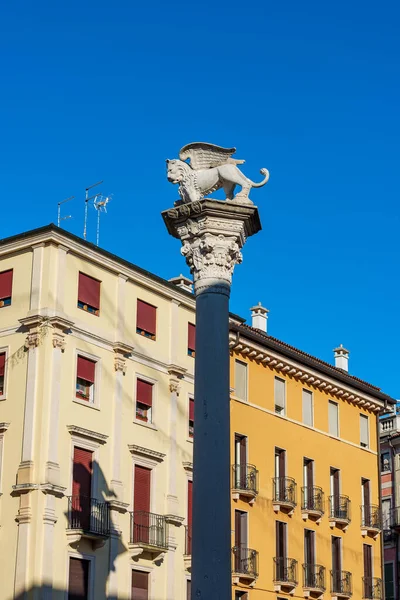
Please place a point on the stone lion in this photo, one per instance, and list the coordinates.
(211, 168)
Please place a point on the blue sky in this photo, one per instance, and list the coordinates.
(109, 90)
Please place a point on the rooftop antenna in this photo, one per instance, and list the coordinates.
(59, 217)
(86, 204)
(100, 204)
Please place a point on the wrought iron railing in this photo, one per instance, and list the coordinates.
(388, 536)
(339, 508)
(245, 561)
(245, 477)
(395, 517)
(372, 588)
(341, 583)
(148, 529)
(285, 570)
(188, 540)
(314, 577)
(285, 490)
(89, 515)
(371, 516)
(312, 498)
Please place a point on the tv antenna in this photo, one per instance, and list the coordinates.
(86, 205)
(59, 217)
(100, 204)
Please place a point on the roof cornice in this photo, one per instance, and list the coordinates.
(307, 370)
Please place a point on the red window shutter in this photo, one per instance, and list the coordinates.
(78, 585)
(6, 278)
(141, 501)
(144, 392)
(86, 369)
(191, 336)
(140, 585)
(82, 472)
(190, 499)
(146, 317)
(191, 409)
(2, 363)
(89, 290)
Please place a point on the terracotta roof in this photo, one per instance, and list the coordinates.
(312, 361)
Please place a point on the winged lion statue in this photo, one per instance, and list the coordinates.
(211, 167)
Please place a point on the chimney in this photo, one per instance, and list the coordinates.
(342, 358)
(259, 316)
(182, 282)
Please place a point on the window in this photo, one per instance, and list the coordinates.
(188, 548)
(280, 551)
(279, 394)
(389, 581)
(385, 462)
(191, 417)
(364, 434)
(309, 556)
(2, 375)
(188, 589)
(333, 418)
(368, 583)
(85, 376)
(140, 585)
(144, 400)
(309, 497)
(191, 339)
(6, 278)
(82, 472)
(78, 581)
(308, 408)
(89, 294)
(241, 595)
(241, 380)
(146, 319)
(386, 506)
(336, 549)
(241, 534)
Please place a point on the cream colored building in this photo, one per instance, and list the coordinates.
(83, 335)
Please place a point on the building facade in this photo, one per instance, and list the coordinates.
(96, 436)
(390, 483)
(306, 490)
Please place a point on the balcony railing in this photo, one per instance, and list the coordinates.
(245, 561)
(285, 490)
(245, 478)
(188, 540)
(341, 583)
(88, 515)
(312, 499)
(371, 517)
(285, 571)
(372, 588)
(314, 577)
(388, 424)
(340, 508)
(148, 529)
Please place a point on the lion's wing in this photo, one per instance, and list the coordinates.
(205, 156)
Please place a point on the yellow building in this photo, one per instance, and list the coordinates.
(96, 436)
(306, 488)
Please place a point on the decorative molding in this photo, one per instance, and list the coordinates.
(100, 438)
(188, 466)
(24, 515)
(4, 427)
(174, 520)
(118, 506)
(174, 386)
(176, 371)
(146, 452)
(302, 374)
(52, 489)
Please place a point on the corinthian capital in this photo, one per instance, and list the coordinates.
(212, 235)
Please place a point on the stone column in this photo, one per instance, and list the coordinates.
(212, 233)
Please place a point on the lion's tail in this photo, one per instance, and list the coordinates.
(264, 181)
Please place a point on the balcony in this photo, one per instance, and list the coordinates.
(89, 519)
(285, 574)
(284, 494)
(187, 557)
(313, 580)
(312, 503)
(372, 588)
(339, 511)
(245, 565)
(148, 535)
(244, 482)
(371, 521)
(341, 584)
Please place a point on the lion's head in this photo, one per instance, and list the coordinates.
(176, 170)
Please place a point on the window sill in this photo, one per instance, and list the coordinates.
(95, 312)
(85, 403)
(3, 397)
(144, 424)
(190, 440)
